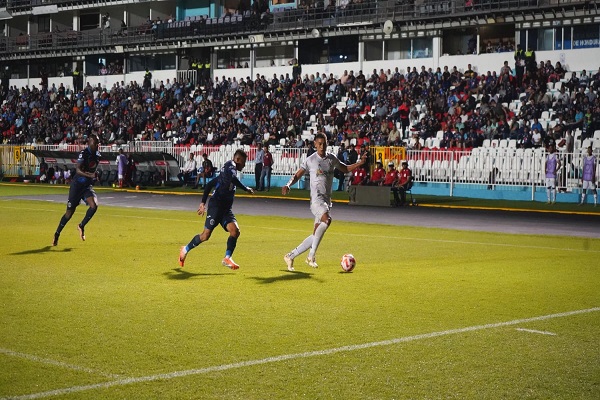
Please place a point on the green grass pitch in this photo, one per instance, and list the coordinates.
(427, 313)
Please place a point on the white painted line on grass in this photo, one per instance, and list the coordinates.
(61, 364)
(285, 357)
(535, 331)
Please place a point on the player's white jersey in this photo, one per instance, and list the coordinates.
(321, 171)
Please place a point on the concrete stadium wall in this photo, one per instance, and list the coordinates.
(573, 60)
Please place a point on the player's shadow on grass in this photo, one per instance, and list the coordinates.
(179, 274)
(288, 276)
(44, 249)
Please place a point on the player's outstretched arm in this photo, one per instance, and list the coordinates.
(239, 184)
(286, 188)
(349, 168)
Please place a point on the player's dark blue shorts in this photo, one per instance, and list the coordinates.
(79, 191)
(218, 215)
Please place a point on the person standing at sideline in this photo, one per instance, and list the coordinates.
(320, 167)
(588, 178)
(266, 170)
(82, 188)
(121, 167)
(552, 167)
(219, 209)
(258, 164)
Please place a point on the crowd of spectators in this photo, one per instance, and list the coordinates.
(389, 108)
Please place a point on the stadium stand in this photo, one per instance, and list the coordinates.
(455, 122)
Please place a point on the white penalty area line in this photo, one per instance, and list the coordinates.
(285, 357)
(61, 364)
(508, 245)
(535, 331)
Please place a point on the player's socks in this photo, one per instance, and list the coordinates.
(231, 243)
(195, 242)
(88, 215)
(302, 247)
(318, 235)
(61, 224)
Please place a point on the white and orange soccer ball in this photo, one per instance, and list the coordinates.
(348, 262)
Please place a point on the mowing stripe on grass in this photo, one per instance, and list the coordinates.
(61, 364)
(519, 246)
(268, 360)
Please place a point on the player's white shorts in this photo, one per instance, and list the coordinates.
(551, 183)
(318, 209)
(588, 185)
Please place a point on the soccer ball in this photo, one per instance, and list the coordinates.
(348, 262)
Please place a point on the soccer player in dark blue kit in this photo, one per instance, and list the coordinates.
(82, 188)
(219, 208)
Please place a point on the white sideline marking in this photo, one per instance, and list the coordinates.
(249, 363)
(535, 331)
(195, 221)
(31, 357)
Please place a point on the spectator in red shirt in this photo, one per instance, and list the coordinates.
(404, 183)
(404, 112)
(266, 171)
(378, 175)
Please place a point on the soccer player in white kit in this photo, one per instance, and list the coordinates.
(320, 166)
(589, 177)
